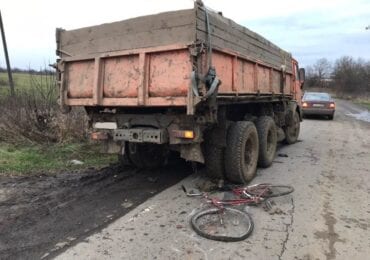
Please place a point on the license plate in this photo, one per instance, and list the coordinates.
(318, 105)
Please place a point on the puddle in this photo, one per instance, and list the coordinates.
(363, 116)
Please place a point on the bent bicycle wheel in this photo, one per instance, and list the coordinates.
(227, 224)
(269, 190)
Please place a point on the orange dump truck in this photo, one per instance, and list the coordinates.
(190, 81)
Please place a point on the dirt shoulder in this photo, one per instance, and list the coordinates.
(38, 212)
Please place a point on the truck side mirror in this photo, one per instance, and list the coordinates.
(302, 76)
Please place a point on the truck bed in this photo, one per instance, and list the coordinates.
(147, 61)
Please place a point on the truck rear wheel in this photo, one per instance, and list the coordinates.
(241, 154)
(292, 130)
(146, 156)
(267, 138)
(214, 160)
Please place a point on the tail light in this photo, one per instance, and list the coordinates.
(99, 136)
(332, 105)
(304, 104)
(187, 134)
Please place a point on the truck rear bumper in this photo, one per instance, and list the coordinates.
(140, 135)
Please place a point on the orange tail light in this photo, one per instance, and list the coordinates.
(332, 105)
(187, 134)
(304, 104)
(99, 136)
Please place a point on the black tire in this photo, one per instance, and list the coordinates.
(292, 131)
(214, 160)
(267, 138)
(331, 117)
(241, 153)
(225, 238)
(272, 190)
(146, 156)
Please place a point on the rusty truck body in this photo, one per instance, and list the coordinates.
(190, 81)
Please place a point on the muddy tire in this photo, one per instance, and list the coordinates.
(214, 161)
(146, 156)
(267, 138)
(241, 153)
(292, 131)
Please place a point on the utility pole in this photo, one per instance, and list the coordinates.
(10, 77)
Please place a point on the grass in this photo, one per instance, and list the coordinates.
(364, 103)
(22, 82)
(363, 100)
(48, 159)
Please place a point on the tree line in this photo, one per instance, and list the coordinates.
(29, 71)
(346, 75)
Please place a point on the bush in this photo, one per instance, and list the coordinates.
(33, 114)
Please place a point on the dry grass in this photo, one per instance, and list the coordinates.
(33, 114)
(36, 137)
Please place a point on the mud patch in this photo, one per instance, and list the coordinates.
(43, 215)
(330, 235)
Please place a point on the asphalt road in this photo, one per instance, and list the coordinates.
(327, 217)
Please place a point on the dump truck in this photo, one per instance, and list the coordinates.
(189, 81)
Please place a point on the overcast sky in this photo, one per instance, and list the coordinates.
(308, 29)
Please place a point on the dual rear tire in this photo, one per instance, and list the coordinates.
(248, 145)
(241, 153)
(267, 136)
(292, 130)
(214, 156)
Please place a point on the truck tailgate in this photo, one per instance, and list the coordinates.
(155, 76)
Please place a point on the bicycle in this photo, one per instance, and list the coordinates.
(238, 222)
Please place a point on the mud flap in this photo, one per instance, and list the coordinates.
(292, 107)
(111, 147)
(192, 152)
(289, 117)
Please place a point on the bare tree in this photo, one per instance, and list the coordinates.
(311, 77)
(322, 70)
(352, 76)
